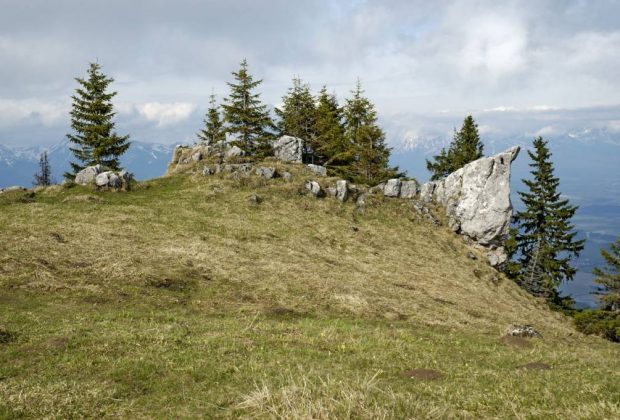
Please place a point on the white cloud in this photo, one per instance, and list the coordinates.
(165, 114)
(14, 112)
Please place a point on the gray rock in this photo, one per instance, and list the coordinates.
(287, 176)
(360, 203)
(234, 152)
(196, 156)
(408, 189)
(288, 149)
(392, 188)
(206, 171)
(342, 190)
(318, 169)
(471, 255)
(266, 172)
(477, 200)
(114, 181)
(315, 188)
(377, 189)
(331, 191)
(243, 168)
(255, 199)
(496, 257)
(102, 179)
(87, 175)
(126, 179)
(523, 331)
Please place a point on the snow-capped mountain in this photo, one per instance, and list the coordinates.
(19, 164)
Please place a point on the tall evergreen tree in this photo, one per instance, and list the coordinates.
(543, 239)
(247, 118)
(297, 117)
(331, 146)
(92, 111)
(465, 147)
(43, 177)
(213, 130)
(609, 278)
(367, 139)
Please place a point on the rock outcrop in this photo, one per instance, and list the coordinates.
(104, 179)
(315, 188)
(318, 169)
(288, 149)
(477, 201)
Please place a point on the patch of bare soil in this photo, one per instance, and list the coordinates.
(535, 365)
(514, 341)
(423, 374)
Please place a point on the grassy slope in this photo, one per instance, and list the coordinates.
(182, 298)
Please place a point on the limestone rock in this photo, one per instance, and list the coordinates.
(314, 188)
(392, 188)
(377, 189)
(342, 190)
(288, 149)
(87, 175)
(408, 189)
(196, 156)
(102, 179)
(318, 169)
(234, 151)
(206, 171)
(523, 331)
(477, 200)
(287, 176)
(266, 172)
(242, 168)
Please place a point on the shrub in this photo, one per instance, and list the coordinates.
(602, 323)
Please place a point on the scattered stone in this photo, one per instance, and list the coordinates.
(234, 151)
(206, 171)
(408, 189)
(522, 331)
(266, 172)
(354, 228)
(535, 365)
(288, 149)
(255, 199)
(423, 374)
(342, 190)
(87, 175)
(425, 212)
(497, 256)
(471, 256)
(101, 180)
(377, 189)
(392, 188)
(287, 176)
(318, 169)
(331, 191)
(315, 188)
(243, 168)
(360, 203)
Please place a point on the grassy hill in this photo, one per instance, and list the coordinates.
(183, 298)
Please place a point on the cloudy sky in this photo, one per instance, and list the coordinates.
(520, 67)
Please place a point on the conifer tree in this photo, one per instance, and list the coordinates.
(465, 147)
(43, 177)
(92, 111)
(213, 130)
(331, 145)
(247, 118)
(372, 155)
(297, 117)
(543, 242)
(609, 278)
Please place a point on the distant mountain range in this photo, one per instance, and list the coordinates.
(19, 164)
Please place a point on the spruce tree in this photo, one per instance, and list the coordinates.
(43, 177)
(465, 147)
(247, 118)
(92, 111)
(331, 145)
(297, 117)
(213, 130)
(543, 241)
(609, 278)
(367, 139)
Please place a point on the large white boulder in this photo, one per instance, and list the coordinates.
(87, 175)
(288, 149)
(392, 188)
(477, 200)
